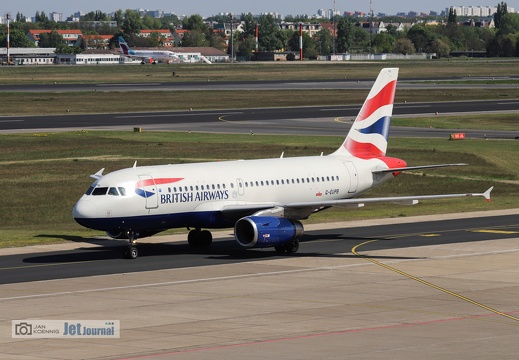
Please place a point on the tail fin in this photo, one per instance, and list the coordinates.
(368, 135)
(123, 47)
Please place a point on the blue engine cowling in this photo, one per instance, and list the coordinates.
(266, 231)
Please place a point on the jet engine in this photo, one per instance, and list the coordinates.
(266, 231)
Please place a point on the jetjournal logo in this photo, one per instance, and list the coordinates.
(66, 329)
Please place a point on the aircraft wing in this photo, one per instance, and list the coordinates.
(308, 207)
(402, 200)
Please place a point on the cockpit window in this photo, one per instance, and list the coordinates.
(90, 189)
(113, 191)
(100, 191)
(122, 191)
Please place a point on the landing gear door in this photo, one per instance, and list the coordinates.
(354, 178)
(148, 190)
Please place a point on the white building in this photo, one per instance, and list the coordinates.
(92, 59)
(476, 11)
(55, 16)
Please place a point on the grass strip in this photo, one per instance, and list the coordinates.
(43, 175)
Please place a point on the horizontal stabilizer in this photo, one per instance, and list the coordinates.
(409, 168)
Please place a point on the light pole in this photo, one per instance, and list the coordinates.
(232, 41)
(8, 17)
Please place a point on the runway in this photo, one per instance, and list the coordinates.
(505, 82)
(315, 120)
(324, 301)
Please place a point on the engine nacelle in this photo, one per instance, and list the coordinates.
(266, 231)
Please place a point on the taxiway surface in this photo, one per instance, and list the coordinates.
(313, 120)
(434, 287)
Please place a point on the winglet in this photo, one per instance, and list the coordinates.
(486, 194)
(98, 175)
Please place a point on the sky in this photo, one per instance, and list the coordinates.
(207, 8)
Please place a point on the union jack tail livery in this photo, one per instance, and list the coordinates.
(368, 136)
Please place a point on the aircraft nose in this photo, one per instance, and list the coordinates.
(84, 209)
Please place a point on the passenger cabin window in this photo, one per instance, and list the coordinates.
(100, 191)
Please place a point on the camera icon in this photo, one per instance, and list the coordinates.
(23, 328)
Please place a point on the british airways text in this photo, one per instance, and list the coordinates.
(194, 196)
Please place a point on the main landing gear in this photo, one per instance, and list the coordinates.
(289, 247)
(131, 252)
(200, 238)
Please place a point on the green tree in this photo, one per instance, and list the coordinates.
(308, 44)
(194, 22)
(509, 24)
(195, 38)
(18, 38)
(249, 25)
(132, 23)
(20, 17)
(441, 48)
(404, 46)
(246, 47)
(344, 35)
(269, 34)
(51, 40)
(95, 16)
(452, 18)
(508, 46)
(150, 22)
(284, 38)
(170, 21)
(383, 42)
(155, 40)
(422, 37)
(359, 38)
(41, 17)
(502, 9)
(324, 42)
(216, 40)
(118, 17)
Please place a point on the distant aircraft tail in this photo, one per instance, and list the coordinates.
(123, 46)
(368, 135)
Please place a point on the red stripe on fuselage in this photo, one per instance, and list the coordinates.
(157, 181)
(384, 97)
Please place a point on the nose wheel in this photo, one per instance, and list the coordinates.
(131, 252)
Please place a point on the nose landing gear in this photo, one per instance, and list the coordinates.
(131, 252)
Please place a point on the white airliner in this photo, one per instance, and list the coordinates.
(264, 200)
(147, 56)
